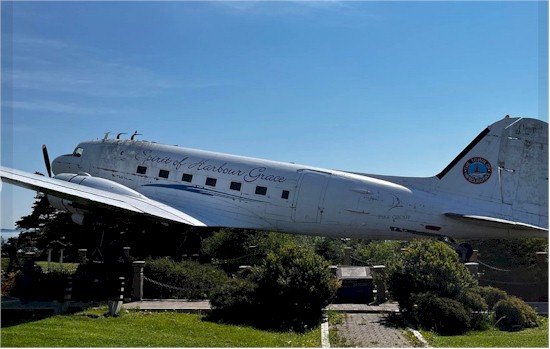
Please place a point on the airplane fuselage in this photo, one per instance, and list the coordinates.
(233, 191)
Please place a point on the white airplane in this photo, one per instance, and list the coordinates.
(497, 187)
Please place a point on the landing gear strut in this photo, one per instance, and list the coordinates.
(464, 250)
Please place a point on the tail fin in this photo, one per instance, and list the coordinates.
(506, 165)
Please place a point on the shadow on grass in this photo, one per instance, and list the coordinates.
(14, 317)
(263, 323)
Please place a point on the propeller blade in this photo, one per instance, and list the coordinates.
(47, 160)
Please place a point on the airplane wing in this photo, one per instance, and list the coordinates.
(93, 197)
(495, 222)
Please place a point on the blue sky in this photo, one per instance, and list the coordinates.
(379, 87)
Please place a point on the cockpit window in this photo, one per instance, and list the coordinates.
(78, 152)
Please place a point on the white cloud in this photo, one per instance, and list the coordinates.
(56, 107)
(53, 66)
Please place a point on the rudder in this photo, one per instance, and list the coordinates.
(507, 166)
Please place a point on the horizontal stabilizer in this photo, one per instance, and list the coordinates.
(496, 222)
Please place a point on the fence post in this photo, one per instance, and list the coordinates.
(542, 259)
(347, 255)
(473, 267)
(64, 306)
(49, 259)
(82, 255)
(379, 271)
(61, 257)
(115, 303)
(137, 280)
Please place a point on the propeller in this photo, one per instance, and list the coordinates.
(47, 160)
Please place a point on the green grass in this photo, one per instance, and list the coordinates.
(144, 329)
(55, 266)
(528, 338)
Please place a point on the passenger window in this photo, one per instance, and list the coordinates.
(211, 181)
(261, 190)
(186, 177)
(235, 186)
(285, 194)
(141, 169)
(164, 173)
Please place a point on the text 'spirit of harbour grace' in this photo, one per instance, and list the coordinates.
(252, 175)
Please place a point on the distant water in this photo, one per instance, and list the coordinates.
(8, 233)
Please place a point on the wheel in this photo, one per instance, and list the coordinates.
(465, 252)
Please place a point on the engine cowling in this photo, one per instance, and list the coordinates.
(79, 211)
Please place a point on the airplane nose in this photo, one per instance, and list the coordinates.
(64, 164)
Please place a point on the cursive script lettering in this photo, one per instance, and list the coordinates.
(256, 174)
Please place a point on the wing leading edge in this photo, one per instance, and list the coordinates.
(84, 195)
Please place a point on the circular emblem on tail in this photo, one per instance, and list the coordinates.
(477, 170)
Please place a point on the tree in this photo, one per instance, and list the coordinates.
(108, 231)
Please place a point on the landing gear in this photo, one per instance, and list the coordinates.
(464, 250)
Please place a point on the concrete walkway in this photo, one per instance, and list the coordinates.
(367, 326)
(371, 330)
(178, 305)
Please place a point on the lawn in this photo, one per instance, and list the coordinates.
(145, 329)
(528, 338)
(56, 266)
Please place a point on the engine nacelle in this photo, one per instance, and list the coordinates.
(79, 210)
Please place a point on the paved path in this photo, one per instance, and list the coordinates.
(180, 305)
(371, 330)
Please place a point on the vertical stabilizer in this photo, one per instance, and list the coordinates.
(506, 166)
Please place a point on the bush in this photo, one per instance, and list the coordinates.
(442, 315)
(514, 314)
(379, 252)
(288, 291)
(294, 285)
(491, 295)
(10, 283)
(428, 266)
(190, 280)
(477, 308)
(234, 301)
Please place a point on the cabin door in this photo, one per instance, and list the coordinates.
(308, 207)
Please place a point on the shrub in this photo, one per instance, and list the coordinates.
(472, 300)
(514, 314)
(477, 307)
(51, 286)
(491, 295)
(288, 291)
(428, 266)
(234, 301)
(442, 315)
(10, 283)
(186, 279)
(294, 285)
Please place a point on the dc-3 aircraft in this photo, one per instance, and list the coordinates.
(497, 187)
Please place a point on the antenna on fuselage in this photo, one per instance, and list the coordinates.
(118, 135)
(106, 135)
(135, 134)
